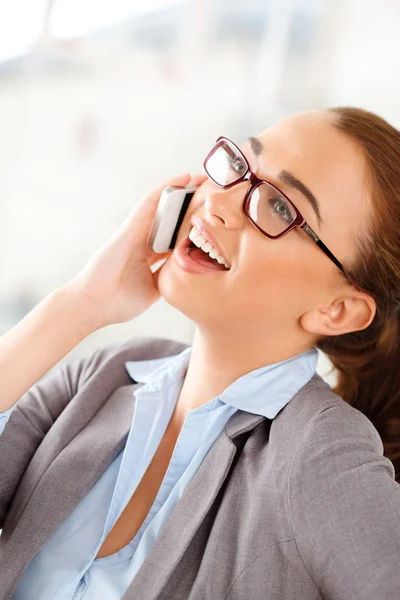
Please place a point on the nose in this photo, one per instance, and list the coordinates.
(226, 206)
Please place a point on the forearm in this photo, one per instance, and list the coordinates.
(31, 348)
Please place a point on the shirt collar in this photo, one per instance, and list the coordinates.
(153, 371)
(263, 391)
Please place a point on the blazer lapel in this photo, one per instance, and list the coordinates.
(66, 482)
(190, 511)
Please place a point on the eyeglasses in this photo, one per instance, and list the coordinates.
(265, 205)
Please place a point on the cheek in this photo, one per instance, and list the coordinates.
(264, 286)
(285, 278)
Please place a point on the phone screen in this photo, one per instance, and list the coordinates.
(182, 213)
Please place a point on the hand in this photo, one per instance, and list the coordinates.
(117, 281)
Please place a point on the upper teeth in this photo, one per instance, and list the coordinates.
(201, 242)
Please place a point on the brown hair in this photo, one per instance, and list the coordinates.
(368, 361)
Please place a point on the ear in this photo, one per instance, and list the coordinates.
(343, 315)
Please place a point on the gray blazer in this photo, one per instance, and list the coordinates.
(302, 507)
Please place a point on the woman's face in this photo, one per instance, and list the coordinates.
(272, 283)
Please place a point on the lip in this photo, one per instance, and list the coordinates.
(199, 224)
(188, 264)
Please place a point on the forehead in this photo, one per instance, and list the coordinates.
(329, 163)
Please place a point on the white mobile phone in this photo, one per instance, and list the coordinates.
(172, 207)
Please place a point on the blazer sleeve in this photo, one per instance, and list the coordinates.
(344, 505)
(28, 421)
(35, 412)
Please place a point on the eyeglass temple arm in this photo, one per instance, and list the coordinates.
(311, 233)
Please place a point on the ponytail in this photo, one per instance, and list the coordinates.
(368, 361)
(368, 378)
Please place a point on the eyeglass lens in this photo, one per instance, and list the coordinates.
(266, 207)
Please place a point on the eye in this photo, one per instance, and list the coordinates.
(237, 165)
(282, 208)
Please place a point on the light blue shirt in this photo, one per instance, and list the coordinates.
(66, 568)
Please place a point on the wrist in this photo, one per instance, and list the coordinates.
(81, 313)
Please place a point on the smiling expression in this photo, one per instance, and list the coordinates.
(271, 283)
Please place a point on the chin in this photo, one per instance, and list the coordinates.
(196, 302)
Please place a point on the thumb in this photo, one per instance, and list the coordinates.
(157, 257)
(156, 275)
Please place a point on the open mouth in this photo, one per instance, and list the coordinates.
(202, 257)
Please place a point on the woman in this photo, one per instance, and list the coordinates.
(277, 487)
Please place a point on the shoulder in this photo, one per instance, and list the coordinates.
(316, 414)
(110, 358)
(140, 348)
(330, 440)
(343, 500)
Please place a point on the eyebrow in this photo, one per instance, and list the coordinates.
(290, 180)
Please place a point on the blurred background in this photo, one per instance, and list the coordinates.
(100, 101)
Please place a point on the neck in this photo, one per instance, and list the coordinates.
(216, 362)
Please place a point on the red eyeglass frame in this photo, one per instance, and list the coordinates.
(254, 183)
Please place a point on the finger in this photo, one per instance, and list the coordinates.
(156, 257)
(138, 223)
(156, 275)
(181, 180)
(146, 207)
(178, 181)
(198, 179)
